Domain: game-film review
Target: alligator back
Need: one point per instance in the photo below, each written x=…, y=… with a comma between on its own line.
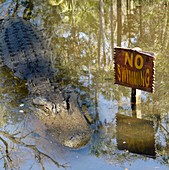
x=23, y=49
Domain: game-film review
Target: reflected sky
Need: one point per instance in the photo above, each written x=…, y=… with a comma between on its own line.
x=74, y=32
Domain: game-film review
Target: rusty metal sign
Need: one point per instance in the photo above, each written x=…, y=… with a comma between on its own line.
x=134, y=69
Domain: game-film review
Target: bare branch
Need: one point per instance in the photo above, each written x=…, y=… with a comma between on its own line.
x=38, y=154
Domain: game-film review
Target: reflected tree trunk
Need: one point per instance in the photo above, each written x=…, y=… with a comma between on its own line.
x=96, y=119
x=119, y=33
x=112, y=30
x=128, y=7
x=119, y=22
x=102, y=28
x=89, y=73
x=99, y=49
x=165, y=29
x=16, y=8
x=140, y=12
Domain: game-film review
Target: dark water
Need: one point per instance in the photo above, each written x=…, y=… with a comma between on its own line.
x=81, y=39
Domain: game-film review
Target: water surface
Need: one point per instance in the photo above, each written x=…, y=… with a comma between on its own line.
x=82, y=35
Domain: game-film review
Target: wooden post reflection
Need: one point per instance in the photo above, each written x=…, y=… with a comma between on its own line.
x=136, y=103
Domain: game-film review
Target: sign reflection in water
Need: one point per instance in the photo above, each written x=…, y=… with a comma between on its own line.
x=135, y=135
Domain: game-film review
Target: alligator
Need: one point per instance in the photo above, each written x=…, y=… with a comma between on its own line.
x=24, y=50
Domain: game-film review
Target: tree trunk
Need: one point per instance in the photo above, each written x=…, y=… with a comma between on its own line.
x=112, y=30
x=141, y=25
x=119, y=22
x=165, y=28
x=102, y=22
x=99, y=48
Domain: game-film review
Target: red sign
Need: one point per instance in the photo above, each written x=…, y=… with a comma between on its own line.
x=134, y=69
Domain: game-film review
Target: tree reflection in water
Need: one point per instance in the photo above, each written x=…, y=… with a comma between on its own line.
x=83, y=51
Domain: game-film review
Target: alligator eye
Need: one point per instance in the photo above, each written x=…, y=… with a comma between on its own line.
x=46, y=108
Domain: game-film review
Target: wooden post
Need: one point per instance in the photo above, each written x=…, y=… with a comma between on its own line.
x=133, y=101
x=135, y=96
x=136, y=102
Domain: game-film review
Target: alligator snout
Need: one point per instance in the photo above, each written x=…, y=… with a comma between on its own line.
x=77, y=140
x=69, y=129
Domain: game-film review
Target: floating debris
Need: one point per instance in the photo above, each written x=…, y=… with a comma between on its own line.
x=22, y=104
x=21, y=111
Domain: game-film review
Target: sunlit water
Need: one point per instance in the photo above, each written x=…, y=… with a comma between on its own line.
x=71, y=31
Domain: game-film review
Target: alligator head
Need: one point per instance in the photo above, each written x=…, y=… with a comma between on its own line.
x=64, y=119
